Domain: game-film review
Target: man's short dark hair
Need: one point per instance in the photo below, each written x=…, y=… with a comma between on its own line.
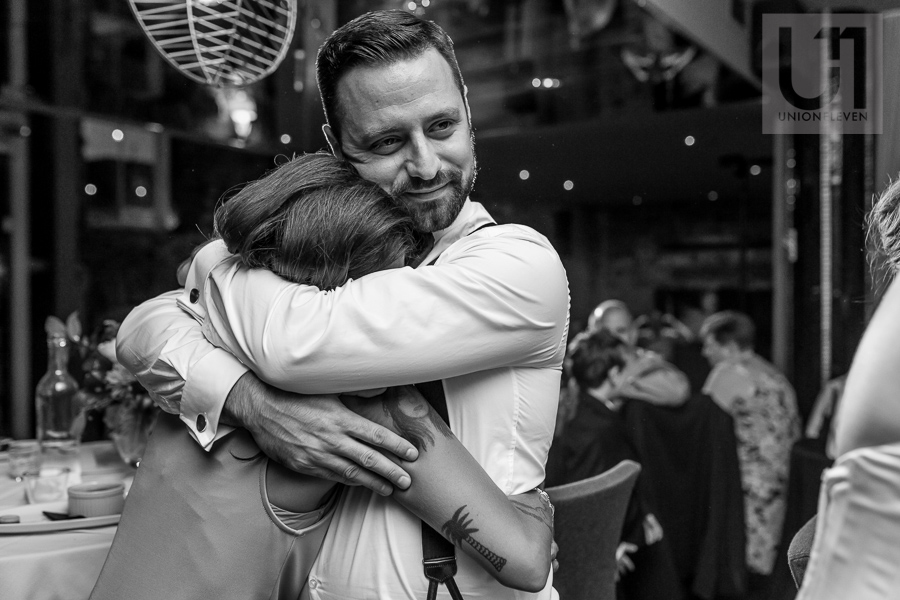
x=376, y=38
x=730, y=326
x=592, y=356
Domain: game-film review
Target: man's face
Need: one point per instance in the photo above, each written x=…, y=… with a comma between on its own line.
x=714, y=351
x=405, y=126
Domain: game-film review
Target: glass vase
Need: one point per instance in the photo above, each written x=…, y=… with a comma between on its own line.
x=130, y=422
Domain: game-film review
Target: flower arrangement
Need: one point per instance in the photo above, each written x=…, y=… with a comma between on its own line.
x=107, y=388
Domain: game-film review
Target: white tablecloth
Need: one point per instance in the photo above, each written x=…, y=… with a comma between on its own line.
x=53, y=566
x=60, y=565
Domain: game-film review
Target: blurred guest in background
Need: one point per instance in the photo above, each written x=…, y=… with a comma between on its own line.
x=661, y=333
x=595, y=441
x=764, y=408
x=647, y=375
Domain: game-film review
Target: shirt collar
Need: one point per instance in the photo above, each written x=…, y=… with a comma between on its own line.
x=472, y=216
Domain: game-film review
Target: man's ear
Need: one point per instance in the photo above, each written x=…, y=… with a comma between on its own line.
x=614, y=376
x=466, y=102
x=333, y=144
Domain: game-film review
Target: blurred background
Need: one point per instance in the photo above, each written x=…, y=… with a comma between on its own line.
x=629, y=132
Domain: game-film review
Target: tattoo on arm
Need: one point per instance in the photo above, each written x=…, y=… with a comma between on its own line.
x=458, y=530
x=542, y=513
x=414, y=418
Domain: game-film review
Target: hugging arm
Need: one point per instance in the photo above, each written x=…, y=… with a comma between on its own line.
x=509, y=537
x=163, y=346
x=509, y=305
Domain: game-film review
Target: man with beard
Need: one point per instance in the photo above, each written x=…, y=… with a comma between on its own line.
x=484, y=314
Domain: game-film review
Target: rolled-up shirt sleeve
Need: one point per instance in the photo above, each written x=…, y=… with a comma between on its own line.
x=495, y=298
x=163, y=346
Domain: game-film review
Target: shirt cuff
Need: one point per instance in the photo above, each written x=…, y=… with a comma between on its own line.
x=204, y=395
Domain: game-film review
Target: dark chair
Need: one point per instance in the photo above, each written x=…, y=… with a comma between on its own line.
x=799, y=550
x=588, y=527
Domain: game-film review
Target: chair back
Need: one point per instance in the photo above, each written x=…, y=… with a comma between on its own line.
x=588, y=526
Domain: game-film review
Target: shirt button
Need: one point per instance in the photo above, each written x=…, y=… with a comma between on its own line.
x=201, y=423
x=313, y=584
x=195, y=295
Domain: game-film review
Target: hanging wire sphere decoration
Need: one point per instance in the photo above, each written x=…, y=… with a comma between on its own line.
x=220, y=43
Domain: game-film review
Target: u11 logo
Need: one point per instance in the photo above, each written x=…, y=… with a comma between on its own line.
x=822, y=67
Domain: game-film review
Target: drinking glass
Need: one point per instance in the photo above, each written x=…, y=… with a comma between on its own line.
x=49, y=484
x=24, y=457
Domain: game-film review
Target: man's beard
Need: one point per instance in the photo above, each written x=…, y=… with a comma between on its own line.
x=437, y=214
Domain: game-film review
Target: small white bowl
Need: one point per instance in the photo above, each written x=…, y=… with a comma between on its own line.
x=96, y=499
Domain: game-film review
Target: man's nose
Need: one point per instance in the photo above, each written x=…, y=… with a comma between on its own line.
x=423, y=161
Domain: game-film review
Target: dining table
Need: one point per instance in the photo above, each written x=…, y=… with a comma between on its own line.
x=42, y=559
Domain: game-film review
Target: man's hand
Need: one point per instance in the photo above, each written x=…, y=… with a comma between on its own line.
x=653, y=531
x=624, y=564
x=318, y=436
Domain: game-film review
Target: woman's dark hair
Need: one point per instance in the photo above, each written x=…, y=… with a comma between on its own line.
x=730, y=326
x=593, y=355
x=313, y=220
x=376, y=38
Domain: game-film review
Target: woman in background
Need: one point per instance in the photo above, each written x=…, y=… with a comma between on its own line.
x=764, y=408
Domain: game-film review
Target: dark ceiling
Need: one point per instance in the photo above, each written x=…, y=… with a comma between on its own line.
x=611, y=162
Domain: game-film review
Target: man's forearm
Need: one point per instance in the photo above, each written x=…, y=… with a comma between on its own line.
x=245, y=398
x=164, y=347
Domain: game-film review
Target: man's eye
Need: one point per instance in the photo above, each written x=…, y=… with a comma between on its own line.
x=386, y=144
x=442, y=126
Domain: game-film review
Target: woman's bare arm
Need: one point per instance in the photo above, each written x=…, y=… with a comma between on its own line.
x=509, y=537
x=869, y=411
